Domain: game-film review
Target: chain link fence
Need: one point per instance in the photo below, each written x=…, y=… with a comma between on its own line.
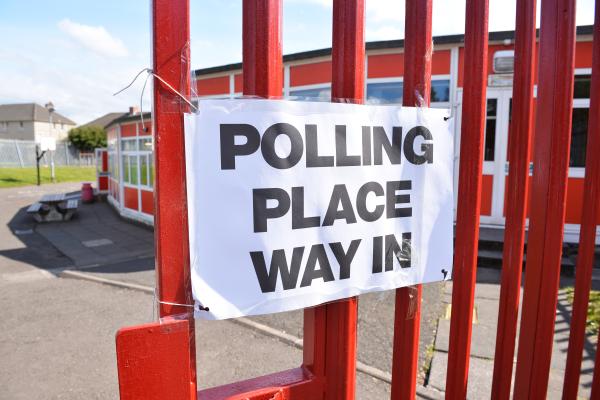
x=21, y=153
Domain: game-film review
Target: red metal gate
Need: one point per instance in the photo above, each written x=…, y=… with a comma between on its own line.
x=158, y=360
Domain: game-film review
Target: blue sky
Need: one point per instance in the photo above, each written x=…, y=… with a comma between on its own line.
x=77, y=53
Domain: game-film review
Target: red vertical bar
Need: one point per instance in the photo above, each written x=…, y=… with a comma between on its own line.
x=469, y=197
x=516, y=198
x=170, y=41
x=330, y=330
x=418, y=50
x=263, y=63
x=348, y=51
x=587, y=235
x=263, y=69
x=551, y=163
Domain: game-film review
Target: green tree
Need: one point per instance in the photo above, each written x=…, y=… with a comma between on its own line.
x=87, y=138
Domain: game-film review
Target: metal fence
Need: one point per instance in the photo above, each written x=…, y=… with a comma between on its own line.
x=21, y=153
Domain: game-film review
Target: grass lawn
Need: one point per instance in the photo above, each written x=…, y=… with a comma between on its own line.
x=593, y=315
x=11, y=177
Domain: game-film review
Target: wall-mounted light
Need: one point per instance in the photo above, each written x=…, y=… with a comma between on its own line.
x=504, y=62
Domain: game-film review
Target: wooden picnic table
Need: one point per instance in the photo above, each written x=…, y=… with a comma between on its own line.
x=53, y=199
x=53, y=207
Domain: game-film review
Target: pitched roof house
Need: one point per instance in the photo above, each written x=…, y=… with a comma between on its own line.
x=105, y=120
x=31, y=121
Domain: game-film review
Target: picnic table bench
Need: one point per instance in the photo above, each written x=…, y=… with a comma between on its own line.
x=53, y=207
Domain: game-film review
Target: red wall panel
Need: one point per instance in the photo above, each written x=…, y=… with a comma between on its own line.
x=392, y=65
x=213, y=86
x=130, y=198
x=147, y=125
x=487, y=187
x=385, y=65
x=128, y=130
x=310, y=74
x=148, y=202
x=583, y=55
x=440, y=63
x=238, y=83
x=104, y=161
x=103, y=183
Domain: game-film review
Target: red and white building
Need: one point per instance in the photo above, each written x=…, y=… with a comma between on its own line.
x=307, y=76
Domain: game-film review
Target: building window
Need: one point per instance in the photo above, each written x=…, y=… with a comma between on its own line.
x=151, y=169
x=581, y=86
x=579, y=123
x=125, y=169
x=130, y=169
x=138, y=168
x=579, y=128
x=129, y=144
x=3, y=126
x=315, y=94
x=440, y=90
x=384, y=93
x=133, y=170
x=21, y=125
x=144, y=170
x=391, y=92
x=145, y=144
x=490, y=130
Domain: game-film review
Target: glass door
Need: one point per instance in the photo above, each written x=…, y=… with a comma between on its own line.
x=494, y=153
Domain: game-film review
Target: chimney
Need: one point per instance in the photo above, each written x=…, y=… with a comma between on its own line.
x=134, y=110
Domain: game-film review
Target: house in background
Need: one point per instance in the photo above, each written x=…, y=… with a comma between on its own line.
x=107, y=119
x=31, y=121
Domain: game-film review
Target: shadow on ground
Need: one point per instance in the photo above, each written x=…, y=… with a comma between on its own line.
x=96, y=237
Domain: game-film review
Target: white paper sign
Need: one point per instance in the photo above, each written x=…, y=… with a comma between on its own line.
x=293, y=204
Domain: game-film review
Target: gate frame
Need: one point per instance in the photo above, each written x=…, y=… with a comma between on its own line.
x=167, y=348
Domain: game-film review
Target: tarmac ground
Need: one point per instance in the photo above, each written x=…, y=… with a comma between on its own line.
x=59, y=332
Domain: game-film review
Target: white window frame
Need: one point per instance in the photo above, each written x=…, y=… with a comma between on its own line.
x=579, y=172
x=129, y=153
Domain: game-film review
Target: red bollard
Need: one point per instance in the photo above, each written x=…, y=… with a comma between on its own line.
x=87, y=193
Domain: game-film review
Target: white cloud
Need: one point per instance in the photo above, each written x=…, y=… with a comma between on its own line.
x=386, y=32
x=94, y=38
x=385, y=10
x=78, y=88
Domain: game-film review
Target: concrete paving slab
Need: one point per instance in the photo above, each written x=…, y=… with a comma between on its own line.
x=480, y=378
x=483, y=339
x=65, y=342
x=139, y=271
x=98, y=224
x=375, y=322
x=484, y=332
x=22, y=251
x=480, y=375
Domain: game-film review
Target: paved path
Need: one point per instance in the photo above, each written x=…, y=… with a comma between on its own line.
x=57, y=341
x=484, y=341
x=70, y=322
x=101, y=245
